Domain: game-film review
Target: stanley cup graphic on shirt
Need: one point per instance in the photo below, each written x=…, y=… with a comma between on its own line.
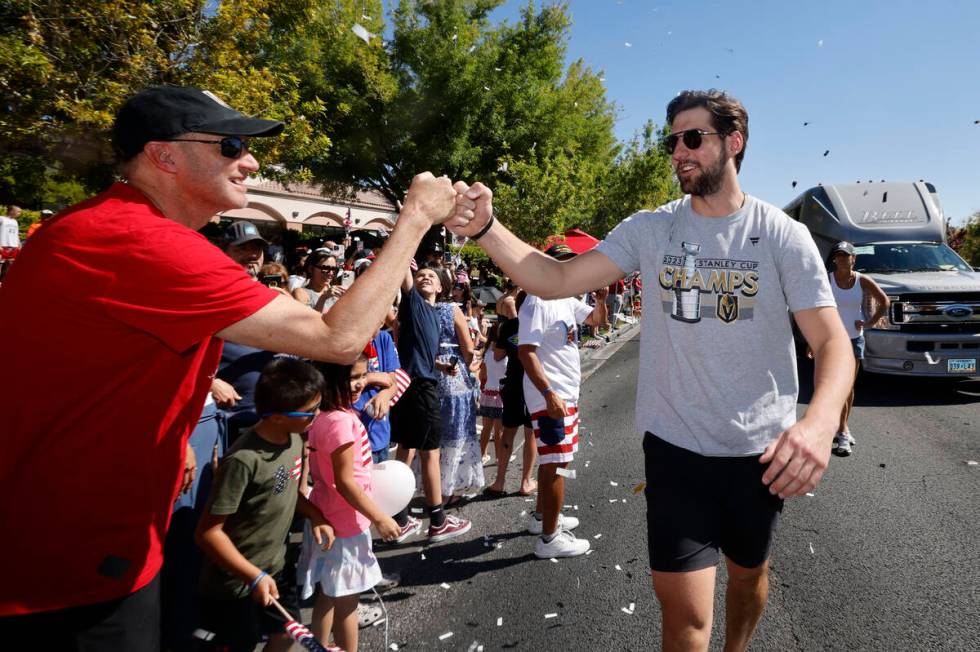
x=687, y=302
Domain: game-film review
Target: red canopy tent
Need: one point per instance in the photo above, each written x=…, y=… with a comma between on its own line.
x=578, y=240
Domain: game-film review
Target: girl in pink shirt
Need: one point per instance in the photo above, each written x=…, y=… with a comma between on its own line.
x=340, y=463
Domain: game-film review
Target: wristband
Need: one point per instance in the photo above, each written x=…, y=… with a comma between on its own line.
x=546, y=391
x=486, y=227
x=255, y=582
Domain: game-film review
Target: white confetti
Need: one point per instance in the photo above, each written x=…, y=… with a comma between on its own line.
x=423, y=556
x=500, y=622
x=626, y=611
x=554, y=561
x=547, y=616
x=575, y=507
x=628, y=44
x=589, y=552
x=811, y=549
x=567, y=507
x=472, y=48
x=444, y=585
x=513, y=457
x=614, y=484
x=565, y=473
x=393, y=646
x=486, y=88
x=362, y=33
x=820, y=43
x=445, y=636
x=618, y=567
x=379, y=622
x=811, y=495
x=632, y=606
x=523, y=512
x=972, y=462
x=614, y=500
x=598, y=536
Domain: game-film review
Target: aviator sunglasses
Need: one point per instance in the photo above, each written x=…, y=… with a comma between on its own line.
x=231, y=147
x=692, y=138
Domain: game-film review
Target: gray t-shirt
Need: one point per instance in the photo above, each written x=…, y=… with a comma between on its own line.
x=717, y=362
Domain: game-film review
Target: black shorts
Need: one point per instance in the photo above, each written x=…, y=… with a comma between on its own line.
x=416, y=420
x=697, y=505
x=238, y=625
x=129, y=624
x=515, y=412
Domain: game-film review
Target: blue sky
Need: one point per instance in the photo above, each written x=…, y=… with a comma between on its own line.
x=890, y=88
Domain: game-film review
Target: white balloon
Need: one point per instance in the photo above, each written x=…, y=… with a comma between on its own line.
x=393, y=485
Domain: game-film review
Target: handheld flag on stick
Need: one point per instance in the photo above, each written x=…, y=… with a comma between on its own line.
x=299, y=633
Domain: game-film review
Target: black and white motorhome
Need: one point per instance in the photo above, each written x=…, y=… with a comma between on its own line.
x=899, y=233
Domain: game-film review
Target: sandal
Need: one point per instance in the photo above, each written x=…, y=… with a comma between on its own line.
x=367, y=615
x=490, y=492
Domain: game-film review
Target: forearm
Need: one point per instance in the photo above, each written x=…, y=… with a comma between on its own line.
x=533, y=370
x=833, y=377
x=308, y=510
x=222, y=551
x=379, y=379
x=356, y=498
x=535, y=272
x=357, y=314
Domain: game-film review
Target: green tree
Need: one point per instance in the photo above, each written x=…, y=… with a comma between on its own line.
x=967, y=240
x=641, y=177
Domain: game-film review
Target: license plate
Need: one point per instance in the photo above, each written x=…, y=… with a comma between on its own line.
x=961, y=365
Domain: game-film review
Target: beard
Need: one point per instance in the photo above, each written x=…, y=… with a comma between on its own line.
x=709, y=181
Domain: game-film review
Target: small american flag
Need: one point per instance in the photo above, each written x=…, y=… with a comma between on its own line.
x=297, y=469
x=402, y=380
x=299, y=633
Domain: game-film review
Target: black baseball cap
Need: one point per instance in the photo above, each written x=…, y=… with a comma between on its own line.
x=163, y=112
x=560, y=251
x=238, y=233
x=842, y=246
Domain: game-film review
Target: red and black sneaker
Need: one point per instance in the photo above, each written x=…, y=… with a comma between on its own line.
x=450, y=529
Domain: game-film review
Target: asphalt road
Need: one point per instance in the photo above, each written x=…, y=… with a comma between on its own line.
x=884, y=556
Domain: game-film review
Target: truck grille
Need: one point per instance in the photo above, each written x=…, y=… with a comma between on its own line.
x=937, y=313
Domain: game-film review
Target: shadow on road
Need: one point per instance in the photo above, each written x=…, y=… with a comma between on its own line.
x=454, y=562
x=876, y=390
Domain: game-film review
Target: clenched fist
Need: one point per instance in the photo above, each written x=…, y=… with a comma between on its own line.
x=474, y=206
x=430, y=197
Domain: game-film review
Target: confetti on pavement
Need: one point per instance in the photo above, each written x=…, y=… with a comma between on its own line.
x=547, y=616
x=500, y=622
x=444, y=585
x=598, y=536
x=613, y=484
x=811, y=549
x=566, y=473
x=445, y=636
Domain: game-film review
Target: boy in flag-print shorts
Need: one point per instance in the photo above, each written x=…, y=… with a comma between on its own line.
x=549, y=351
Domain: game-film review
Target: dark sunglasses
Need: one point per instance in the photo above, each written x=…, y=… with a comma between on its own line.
x=295, y=415
x=326, y=269
x=692, y=138
x=231, y=147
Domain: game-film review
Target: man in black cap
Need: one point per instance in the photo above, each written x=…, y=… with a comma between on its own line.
x=245, y=245
x=136, y=344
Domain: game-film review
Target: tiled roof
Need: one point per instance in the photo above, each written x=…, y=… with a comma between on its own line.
x=366, y=198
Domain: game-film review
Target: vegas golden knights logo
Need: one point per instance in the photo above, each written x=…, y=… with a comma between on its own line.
x=727, y=307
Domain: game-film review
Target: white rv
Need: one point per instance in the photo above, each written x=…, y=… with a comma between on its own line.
x=899, y=234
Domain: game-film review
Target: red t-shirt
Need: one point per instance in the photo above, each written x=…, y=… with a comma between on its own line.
x=108, y=318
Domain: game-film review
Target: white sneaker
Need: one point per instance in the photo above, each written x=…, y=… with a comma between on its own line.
x=850, y=438
x=563, y=545
x=843, y=446
x=566, y=523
